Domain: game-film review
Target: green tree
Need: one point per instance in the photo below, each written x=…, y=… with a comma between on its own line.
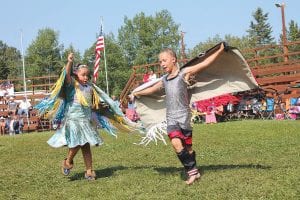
x=77, y=56
x=260, y=31
x=143, y=37
x=241, y=43
x=10, y=61
x=233, y=41
x=293, y=34
x=44, y=54
x=203, y=46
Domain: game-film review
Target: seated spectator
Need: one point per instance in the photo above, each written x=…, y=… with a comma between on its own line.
x=24, y=107
x=130, y=104
x=5, y=99
x=152, y=75
x=12, y=106
x=2, y=125
x=13, y=125
x=210, y=117
x=146, y=77
x=2, y=93
x=219, y=112
x=21, y=124
x=10, y=89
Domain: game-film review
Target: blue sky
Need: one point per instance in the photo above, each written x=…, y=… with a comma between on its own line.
x=77, y=21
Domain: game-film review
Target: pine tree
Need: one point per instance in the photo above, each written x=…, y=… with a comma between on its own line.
x=293, y=32
x=260, y=31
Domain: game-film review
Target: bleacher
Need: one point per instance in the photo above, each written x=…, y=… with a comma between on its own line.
x=31, y=123
x=36, y=89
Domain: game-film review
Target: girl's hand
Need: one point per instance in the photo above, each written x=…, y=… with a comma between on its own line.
x=69, y=67
x=135, y=94
x=222, y=47
x=70, y=57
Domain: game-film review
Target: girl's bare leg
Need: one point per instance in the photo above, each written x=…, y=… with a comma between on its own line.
x=87, y=157
x=71, y=154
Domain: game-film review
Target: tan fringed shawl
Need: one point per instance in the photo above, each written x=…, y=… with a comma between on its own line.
x=229, y=73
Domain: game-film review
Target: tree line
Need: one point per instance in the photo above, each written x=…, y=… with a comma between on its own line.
x=138, y=42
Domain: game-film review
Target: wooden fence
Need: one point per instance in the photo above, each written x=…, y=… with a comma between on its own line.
x=271, y=67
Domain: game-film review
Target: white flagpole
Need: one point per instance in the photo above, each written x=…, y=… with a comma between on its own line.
x=105, y=66
x=23, y=64
x=24, y=76
x=107, y=91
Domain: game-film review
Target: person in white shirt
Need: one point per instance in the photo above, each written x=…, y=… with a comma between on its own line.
x=24, y=107
x=10, y=89
x=2, y=92
x=152, y=75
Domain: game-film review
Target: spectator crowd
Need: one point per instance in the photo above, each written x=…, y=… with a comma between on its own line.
x=12, y=111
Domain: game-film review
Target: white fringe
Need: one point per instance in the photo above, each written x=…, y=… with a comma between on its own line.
x=154, y=134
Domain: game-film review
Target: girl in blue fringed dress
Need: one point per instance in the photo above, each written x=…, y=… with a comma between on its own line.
x=72, y=102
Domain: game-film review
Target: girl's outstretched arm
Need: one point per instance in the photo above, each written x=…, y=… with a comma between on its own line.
x=149, y=90
x=205, y=63
x=69, y=67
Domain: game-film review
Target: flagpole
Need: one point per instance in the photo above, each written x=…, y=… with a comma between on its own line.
x=24, y=76
x=105, y=66
x=107, y=91
x=23, y=65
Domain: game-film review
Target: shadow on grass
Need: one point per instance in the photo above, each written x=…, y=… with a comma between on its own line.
x=223, y=167
x=202, y=169
x=171, y=171
x=107, y=172
x=102, y=173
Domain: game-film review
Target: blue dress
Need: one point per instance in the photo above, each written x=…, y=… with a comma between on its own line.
x=76, y=128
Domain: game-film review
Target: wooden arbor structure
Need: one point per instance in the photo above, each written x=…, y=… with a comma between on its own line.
x=273, y=66
x=276, y=66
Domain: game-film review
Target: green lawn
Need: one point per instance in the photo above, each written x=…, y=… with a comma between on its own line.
x=238, y=160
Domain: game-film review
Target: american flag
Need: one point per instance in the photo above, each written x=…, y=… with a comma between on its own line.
x=99, y=48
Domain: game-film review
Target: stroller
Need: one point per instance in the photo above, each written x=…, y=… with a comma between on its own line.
x=132, y=114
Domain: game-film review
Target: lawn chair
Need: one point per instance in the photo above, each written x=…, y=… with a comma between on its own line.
x=269, y=112
x=294, y=108
x=132, y=115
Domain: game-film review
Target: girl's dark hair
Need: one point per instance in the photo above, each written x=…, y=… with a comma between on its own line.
x=77, y=67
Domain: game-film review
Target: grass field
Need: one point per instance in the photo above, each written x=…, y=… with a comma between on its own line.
x=238, y=160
